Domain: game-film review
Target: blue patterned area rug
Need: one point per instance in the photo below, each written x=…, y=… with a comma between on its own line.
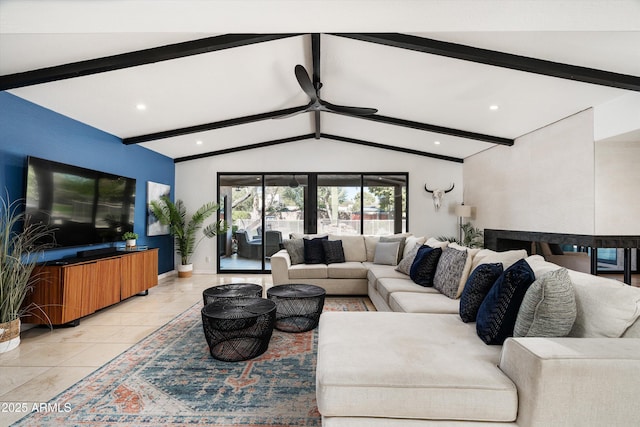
x=169, y=378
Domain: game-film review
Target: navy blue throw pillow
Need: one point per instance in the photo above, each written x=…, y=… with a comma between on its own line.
x=476, y=289
x=499, y=310
x=314, y=251
x=424, y=265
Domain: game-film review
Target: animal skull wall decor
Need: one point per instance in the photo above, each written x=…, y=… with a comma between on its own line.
x=437, y=195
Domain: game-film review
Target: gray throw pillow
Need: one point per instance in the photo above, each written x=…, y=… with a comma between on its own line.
x=400, y=239
x=387, y=253
x=548, y=308
x=295, y=248
x=404, y=266
x=449, y=271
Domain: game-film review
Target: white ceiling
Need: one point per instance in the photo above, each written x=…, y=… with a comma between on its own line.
x=259, y=78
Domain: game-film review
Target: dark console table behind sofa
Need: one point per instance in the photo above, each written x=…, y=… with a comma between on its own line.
x=500, y=240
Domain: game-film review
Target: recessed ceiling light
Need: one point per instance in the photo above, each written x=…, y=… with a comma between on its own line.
x=436, y=142
x=493, y=107
x=199, y=142
x=141, y=107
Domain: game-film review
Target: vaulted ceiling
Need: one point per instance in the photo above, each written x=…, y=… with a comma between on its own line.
x=189, y=94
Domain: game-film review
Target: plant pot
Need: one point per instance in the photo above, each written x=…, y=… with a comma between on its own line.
x=9, y=335
x=185, y=270
x=130, y=243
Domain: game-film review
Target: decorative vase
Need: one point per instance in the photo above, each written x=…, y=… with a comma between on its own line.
x=130, y=243
x=185, y=270
x=9, y=335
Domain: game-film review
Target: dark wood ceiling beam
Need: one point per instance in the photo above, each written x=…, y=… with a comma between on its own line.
x=315, y=55
x=211, y=126
x=244, y=148
x=500, y=59
x=392, y=148
x=132, y=59
x=432, y=128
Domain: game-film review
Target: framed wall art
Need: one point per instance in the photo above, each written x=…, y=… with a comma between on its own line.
x=154, y=192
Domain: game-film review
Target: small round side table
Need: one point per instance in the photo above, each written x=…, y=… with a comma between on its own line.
x=238, y=330
x=298, y=306
x=231, y=291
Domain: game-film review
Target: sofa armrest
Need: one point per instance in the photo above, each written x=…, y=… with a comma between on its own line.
x=280, y=264
x=574, y=381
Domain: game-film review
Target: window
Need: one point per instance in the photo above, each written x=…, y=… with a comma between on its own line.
x=264, y=209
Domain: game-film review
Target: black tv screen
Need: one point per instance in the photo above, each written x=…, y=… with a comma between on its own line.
x=83, y=206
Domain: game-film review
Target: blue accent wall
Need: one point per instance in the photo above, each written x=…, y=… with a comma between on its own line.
x=27, y=129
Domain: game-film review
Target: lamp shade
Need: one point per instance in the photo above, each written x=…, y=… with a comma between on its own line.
x=463, y=211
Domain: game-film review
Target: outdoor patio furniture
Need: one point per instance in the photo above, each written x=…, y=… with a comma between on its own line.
x=248, y=248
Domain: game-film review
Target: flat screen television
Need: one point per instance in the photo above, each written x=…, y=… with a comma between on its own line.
x=83, y=206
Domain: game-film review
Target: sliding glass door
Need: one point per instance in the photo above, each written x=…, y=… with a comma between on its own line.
x=263, y=210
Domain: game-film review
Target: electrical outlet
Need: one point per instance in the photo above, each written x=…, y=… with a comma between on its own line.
x=207, y=259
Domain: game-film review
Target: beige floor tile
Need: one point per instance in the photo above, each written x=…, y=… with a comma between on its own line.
x=96, y=355
x=47, y=384
x=48, y=361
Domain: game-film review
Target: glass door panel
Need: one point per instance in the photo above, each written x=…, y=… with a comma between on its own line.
x=338, y=204
x=384, y=210
x=284, y=211
x=243, y=211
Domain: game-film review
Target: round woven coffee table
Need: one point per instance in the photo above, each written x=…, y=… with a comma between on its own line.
x=298, y=306
x=238, y=329
x=231, y=291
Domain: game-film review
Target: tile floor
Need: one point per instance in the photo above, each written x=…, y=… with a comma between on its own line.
x=47, y=362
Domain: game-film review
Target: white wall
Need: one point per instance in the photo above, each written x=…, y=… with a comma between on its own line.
x=545, y=182
x=196, y=180
x=616, y=189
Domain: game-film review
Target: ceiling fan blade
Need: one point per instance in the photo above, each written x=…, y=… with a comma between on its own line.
x=305, y=82
x=359, y=111
x=300, y=110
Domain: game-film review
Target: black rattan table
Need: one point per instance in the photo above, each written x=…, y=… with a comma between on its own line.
x=238, y=329
x=231, y=291
x=298, y=306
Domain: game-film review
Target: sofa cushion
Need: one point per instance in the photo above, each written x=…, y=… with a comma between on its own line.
x=449, y=271
x=507, y=258
x=333, y=252
x=424, y=265
x=388, y=285
x=376, y=272
x=387, y=253
x=548, y=308
x=423, y=302
x=605, y=307
x=478, y=286
x=353, y=246
x=497, y=314
x=347, y=270
x=295, y=249
x=404, y=266
x=370, y=243
x=313, y=250
x=308, y=271
x=377, y=365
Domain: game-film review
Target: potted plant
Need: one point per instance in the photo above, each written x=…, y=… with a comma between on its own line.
x=19, y=252
x=184, y=230
x=130, y=238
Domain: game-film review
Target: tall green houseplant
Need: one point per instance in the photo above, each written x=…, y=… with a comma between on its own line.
x=184, y=230
x=19, y=252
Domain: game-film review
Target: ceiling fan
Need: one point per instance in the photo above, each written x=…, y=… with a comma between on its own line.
x=318, y=104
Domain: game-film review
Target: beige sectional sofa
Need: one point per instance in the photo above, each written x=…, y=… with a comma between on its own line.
x=416, y=363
